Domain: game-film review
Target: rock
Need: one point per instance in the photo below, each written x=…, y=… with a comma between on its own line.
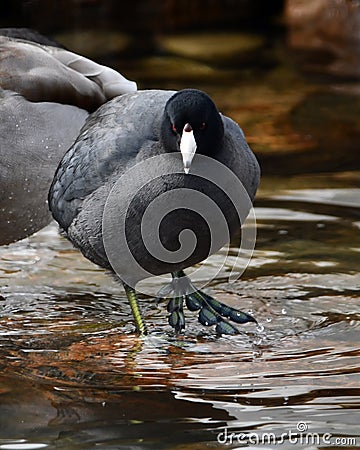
x=329, y=31
x=213, y=47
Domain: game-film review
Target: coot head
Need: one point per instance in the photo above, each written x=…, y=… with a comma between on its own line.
x=191, y=123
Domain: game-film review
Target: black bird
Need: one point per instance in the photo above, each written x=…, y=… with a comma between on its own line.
x=46, y=93
x=118, y=143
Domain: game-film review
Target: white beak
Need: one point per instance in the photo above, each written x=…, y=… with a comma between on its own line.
x=187, y=147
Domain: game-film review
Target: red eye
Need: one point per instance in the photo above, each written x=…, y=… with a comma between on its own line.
x=202, y=126
x=174, y=128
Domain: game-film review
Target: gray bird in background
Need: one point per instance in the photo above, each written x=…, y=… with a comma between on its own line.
x=46, y=94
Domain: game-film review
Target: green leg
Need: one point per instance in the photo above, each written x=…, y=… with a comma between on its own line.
x=139, y=321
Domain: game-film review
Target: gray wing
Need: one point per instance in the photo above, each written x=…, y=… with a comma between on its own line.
x=46, y=73
x=33, y=139
x=238, y=156
x=113, y=138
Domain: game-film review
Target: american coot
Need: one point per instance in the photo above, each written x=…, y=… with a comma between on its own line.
x=46, y=93
x=111, y=168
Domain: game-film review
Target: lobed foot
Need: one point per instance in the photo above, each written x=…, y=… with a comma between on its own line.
x=211, y=311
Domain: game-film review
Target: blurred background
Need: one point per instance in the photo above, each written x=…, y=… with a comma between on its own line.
x=290, y=45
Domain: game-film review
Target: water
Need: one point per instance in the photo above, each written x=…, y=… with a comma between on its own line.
x=75, y=376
